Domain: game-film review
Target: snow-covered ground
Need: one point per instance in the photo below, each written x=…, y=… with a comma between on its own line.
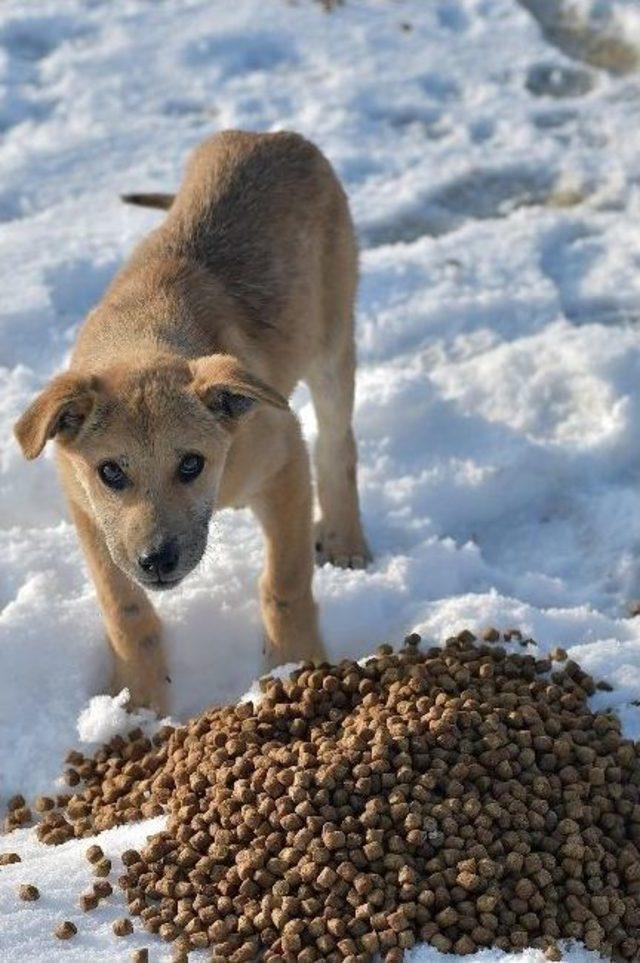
x=491, y=151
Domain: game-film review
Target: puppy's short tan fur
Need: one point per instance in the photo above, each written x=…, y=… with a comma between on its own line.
x=246, y=288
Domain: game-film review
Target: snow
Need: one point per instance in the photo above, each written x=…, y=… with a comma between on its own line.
x=106, y=716
x=493, y=166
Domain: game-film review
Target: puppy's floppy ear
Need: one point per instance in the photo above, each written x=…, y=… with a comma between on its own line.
x=228, y=389
x=61, y=409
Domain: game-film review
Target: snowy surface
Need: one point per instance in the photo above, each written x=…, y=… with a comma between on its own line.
x=493, y=165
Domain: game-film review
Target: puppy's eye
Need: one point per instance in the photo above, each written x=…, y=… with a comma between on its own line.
x=112, y=475
x=190, y=467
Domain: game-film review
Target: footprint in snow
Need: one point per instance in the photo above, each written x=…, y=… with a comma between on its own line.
x=554, y=80
x=569, y=252
x=479, y=195
x=595, y=41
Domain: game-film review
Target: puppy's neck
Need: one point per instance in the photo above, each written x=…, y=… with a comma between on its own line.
x=161, y=305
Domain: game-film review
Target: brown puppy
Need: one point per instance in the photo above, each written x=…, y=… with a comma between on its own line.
x=175, y=402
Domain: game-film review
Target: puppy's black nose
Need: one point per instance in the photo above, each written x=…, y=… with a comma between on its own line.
x=160, y=563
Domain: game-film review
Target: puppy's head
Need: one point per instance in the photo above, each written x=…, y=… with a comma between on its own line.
x=148, y=446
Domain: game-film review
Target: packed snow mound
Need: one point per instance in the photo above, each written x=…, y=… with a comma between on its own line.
x=107, y=716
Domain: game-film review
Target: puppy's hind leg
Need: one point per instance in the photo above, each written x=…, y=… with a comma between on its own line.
x=133, y=628
x=339, y=536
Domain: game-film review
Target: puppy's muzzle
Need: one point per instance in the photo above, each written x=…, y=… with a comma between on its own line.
x=160, y=565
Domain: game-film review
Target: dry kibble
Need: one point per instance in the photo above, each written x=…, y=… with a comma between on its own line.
x=28, y=892
x=102, y=867
x=102, y=888
x=18, y=815
x=464, y=946
x=491, y=635
x=94, y=854
x=66, y=930
x=123, y=927
x=604, y=686
x=140, y=956
x=463, y=796
x=88, y=901
x=7, y=858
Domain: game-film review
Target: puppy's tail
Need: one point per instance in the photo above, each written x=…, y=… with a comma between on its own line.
x=161, y=201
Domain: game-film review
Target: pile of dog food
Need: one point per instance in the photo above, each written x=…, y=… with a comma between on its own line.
x=460, y=796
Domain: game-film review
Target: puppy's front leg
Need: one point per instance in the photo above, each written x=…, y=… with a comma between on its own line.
x=133, y=628
x=284, y=508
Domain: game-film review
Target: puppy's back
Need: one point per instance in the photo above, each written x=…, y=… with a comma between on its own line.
x=257, y=210
x=257, y=241
x=238, y=175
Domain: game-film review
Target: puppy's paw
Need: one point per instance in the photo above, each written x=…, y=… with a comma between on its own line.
x=146, y=678
x=344, y=550
x=306, y=649
x=142, y=694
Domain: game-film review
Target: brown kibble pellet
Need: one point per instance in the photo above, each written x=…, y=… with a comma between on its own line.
x=18, y=816
x=123, y=927
x=88, y=901
x=491, y=635
x=326, y=877
x=102, y=867
x=447, y=917
x=102, y=888
x=28, y=892
x=7, y=858
x=140, y=956
x=94, y=854
x=66, y=930
x=464, y=946
x=441, y=942
x=558, y=654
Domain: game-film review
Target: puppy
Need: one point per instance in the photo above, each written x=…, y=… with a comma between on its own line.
x=175, y=401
